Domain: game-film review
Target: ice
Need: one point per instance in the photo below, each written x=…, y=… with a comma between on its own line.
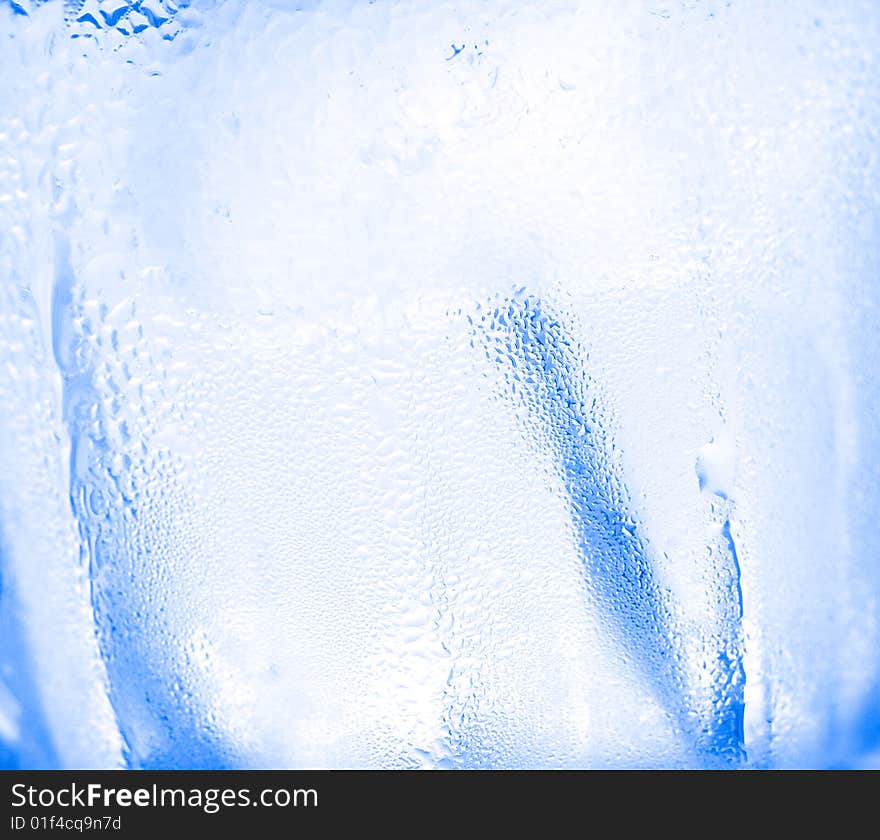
x=402, y=384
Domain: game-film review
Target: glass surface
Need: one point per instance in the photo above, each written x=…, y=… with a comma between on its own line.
x=432, y=384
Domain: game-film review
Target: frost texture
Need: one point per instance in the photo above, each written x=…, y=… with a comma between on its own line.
x=485, y=384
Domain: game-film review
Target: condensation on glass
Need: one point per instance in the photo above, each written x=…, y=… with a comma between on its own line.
x=475, y=384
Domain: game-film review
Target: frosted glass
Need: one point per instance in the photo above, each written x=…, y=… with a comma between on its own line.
x=431, y=384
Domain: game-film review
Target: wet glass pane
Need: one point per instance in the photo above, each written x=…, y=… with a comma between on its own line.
x=432, y=384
